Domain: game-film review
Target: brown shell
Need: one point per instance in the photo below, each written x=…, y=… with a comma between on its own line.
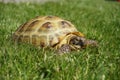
x=44, y=31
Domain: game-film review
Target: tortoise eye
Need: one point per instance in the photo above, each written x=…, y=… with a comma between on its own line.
x=65, y=24
x=74, y=41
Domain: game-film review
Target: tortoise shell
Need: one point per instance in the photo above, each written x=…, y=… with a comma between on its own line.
x=46, y=31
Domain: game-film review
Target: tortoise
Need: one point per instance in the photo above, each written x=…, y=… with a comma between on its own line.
x=52, y=32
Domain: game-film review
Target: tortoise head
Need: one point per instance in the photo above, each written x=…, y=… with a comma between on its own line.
x=74, y=41
x=78, y=42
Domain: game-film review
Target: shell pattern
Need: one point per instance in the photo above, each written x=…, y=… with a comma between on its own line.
x=46, y=31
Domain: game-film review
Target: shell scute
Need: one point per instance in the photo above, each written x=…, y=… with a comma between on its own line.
x=34, y=40
x=26, y=39
x=32, y=26
x=65, y=24
x=53, y=40
x=22, y=28
x=45, y=27
x=43, y=41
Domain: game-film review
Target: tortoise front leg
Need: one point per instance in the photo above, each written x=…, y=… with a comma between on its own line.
x=65, y=48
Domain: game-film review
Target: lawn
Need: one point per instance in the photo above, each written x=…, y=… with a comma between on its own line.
x=97, y=19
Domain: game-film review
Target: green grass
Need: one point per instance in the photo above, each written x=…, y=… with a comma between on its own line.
x=97, y=19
